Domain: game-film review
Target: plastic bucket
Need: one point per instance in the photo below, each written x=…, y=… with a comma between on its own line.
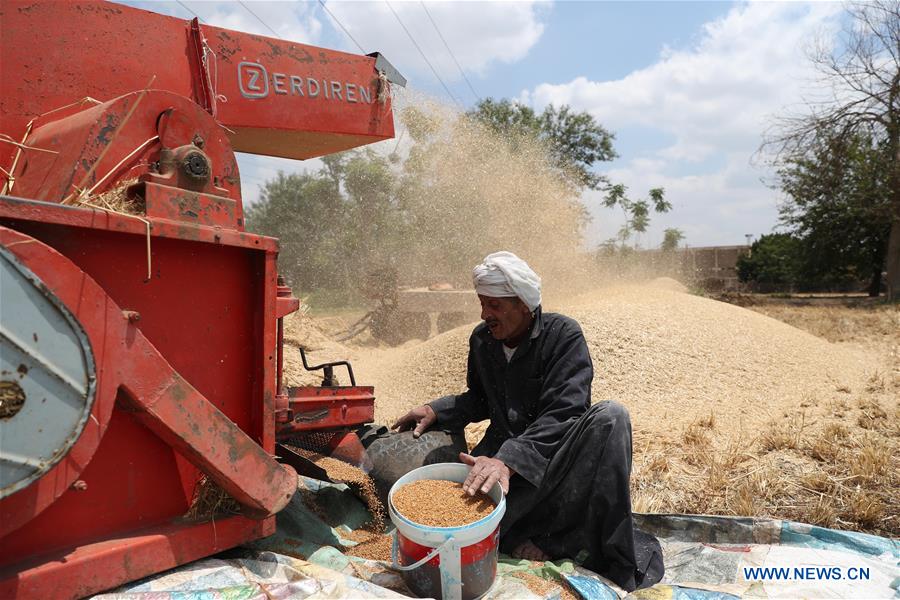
x=452, y=563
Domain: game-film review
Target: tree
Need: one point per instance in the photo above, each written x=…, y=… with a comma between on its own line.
x=460, y=191
x=773, y=259
x=637, y=212
x=298, y=209
x=374, y=222
x=838, y=206
x=575, y=140
x=671, y=238
x=862, y=71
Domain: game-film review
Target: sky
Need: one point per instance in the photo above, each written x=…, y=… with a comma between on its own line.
x=688, y=88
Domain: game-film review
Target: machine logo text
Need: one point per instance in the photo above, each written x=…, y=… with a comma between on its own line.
x=255, y=82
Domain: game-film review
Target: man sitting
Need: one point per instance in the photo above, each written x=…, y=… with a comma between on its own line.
x=564, y=464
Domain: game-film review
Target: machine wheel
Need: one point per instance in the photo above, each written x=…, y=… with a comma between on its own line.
x=47, y=377
x=394, y=455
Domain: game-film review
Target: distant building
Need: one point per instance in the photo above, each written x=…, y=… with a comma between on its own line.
x=714, y=268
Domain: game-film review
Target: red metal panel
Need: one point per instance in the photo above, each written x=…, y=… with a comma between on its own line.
x=105, y=50
x=81, y=571
x=411, y=552
x=21, y=210
x=314, y=408
x=175, y=204
x=202, y=309
x=263, y=408
x=120, y=485
x=172, y=409
x=88, y=307
x=210, y=309
x=157, y=397
x=209, y=305
x=120, y=139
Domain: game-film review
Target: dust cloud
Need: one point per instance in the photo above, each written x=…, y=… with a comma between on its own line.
x=472, y=191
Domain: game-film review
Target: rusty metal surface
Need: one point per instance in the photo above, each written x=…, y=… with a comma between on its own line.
x=83, y=570
x=170, y=407
x=162, y=400
x=176, y=204
x=127, y=474
x=24, y=210
x=87, y=306
x=186, y=354
x=312, y=408
x=153, y=135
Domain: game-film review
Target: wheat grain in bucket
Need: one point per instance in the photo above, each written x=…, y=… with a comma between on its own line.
x=563, y=464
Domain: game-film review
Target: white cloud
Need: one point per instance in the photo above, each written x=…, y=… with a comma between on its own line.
x=715, y=99
x=294, y=21
x=747, y=65
x=480, y=34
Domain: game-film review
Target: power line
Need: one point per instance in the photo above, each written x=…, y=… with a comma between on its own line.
x=447, y=46
x=425, y=58
x=185, y=7
x=266, y=25
x=341, y=25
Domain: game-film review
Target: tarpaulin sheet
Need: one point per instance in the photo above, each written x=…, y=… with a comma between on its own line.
x=706, y=558
x=264, y=576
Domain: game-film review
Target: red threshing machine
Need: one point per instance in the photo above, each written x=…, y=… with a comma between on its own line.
x=140, y=344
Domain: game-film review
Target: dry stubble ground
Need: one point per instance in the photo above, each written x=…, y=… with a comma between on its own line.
x=794, y=416
x=845, y=462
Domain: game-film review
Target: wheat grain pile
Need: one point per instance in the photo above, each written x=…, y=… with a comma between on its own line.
x=437, y=503
x=301, y=331
x=733, y=412
x=545, y=588
x=670, y=357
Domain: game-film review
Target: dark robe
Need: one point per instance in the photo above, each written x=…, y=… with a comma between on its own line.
x=570, y=495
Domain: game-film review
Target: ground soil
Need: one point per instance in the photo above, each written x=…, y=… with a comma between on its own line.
x=773, y=409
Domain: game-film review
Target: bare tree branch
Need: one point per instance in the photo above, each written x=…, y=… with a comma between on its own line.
x=860, y=75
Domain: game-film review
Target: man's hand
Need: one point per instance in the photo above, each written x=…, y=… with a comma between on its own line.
x=418, y=419
x=485, y=473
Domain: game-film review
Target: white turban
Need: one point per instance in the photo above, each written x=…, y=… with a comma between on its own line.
x=505, y=275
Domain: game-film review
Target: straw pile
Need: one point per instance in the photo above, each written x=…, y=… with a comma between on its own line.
x=731, y=410
x=301, y=331
x=117, y=199
x=210, y=501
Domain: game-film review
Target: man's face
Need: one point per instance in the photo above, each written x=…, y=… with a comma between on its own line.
x=507, y=318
